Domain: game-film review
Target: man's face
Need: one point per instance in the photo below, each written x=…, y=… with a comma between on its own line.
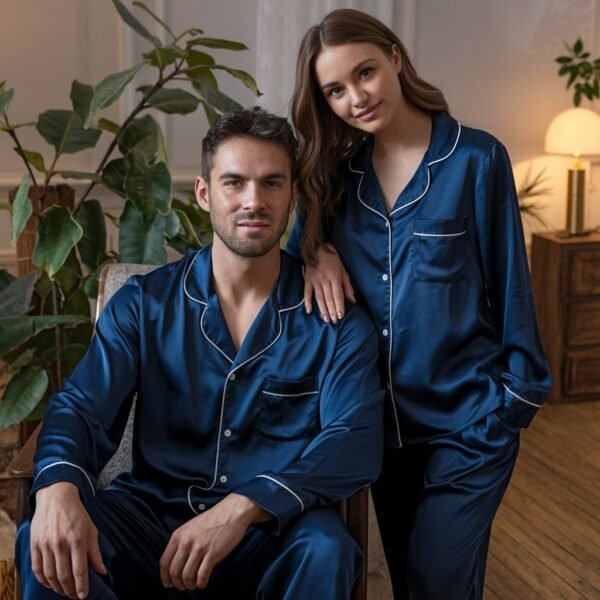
x=250, y=195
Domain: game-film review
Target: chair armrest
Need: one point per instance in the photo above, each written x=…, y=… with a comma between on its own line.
x=21, y=469
x=21, y=466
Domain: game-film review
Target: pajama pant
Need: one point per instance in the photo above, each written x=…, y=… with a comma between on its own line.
x=314, y=557
x=435, y=503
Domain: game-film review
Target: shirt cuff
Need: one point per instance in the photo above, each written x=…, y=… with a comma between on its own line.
x=275, y=496
x=520, y=402
x=63, y=471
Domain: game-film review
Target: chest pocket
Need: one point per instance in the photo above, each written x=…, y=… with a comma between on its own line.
x=438, y=249
x=288, y=409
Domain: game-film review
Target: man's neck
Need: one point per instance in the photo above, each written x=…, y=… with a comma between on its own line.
x=238, y=279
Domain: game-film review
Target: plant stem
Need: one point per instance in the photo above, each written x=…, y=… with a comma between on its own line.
x=13, y=135
x=57, y=336
x=140, y=106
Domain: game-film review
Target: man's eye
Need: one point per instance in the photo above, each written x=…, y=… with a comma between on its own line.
x=232, y=183
x=273, y=184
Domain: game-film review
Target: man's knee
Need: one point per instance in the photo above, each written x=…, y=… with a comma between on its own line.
x=321, y=536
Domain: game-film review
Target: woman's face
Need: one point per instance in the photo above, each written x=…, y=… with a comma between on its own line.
x=360, y=84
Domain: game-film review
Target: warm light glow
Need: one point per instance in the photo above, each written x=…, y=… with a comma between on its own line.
x=575, y=132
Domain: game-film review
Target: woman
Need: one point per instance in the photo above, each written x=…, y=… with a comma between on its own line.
x=423, y=214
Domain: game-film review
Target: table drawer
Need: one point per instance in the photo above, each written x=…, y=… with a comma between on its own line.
x=585, y=273
x=583, y=323
x=581, y=375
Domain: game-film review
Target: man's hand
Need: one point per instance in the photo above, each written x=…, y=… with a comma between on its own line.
x=328, y=280
x=196, y=547
x=63, y=540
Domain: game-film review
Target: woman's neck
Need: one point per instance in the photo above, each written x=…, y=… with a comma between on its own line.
x=409, y=129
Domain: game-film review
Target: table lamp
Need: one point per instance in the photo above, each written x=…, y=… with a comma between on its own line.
x=574, y=132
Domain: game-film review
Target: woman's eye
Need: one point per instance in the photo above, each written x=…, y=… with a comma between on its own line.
x=335, y=92
x=366, y=73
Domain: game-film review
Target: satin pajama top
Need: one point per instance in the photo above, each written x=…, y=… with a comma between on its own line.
x=292, y=420
x=444, y=275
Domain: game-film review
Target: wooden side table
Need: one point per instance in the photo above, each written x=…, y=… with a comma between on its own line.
x=566, y=285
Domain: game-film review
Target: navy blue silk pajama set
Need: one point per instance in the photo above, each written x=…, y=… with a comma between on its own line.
x=293, y=420
x=444, y=275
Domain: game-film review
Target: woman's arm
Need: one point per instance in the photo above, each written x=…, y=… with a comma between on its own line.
x=328, y=279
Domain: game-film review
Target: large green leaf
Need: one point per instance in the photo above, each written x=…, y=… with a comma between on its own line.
x=141, y=136
x=5, y=97
x=81, y=98
x=149, y=188
x=163, y=57
x=77, y=304
x=64, y=130
x=139, y=241
x=109, y=90
x=217, y=43
x=23, y=393
x=244, y=77
x=58, y=234
x=92, y=244
x=113, y=176
x=213, y=96
x=135, y=24
x=33, y=158
x=68, y=277
x=187, y=232
x=15, y=298
x=172, y=224
x=16, y=330
x=168, y=101
x=22, y=360
x=198, y=67
x=6, y=279
x=21, y=210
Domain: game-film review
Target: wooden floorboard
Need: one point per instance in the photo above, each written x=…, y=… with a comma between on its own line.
x=546, y=538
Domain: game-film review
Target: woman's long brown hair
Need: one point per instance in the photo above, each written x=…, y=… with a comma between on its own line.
x=325, y=140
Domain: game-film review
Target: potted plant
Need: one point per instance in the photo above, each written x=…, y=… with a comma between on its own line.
x=45, y=316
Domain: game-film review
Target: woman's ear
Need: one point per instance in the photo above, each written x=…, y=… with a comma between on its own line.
x=397, y=58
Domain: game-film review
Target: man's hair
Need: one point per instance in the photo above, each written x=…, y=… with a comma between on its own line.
x=254, y=123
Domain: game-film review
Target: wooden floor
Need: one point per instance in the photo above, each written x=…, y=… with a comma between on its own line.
x=546, y=537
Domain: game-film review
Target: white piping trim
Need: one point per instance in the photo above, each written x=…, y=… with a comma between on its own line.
x=451, y=151
x=289, y=395
x=519, y=397
x=285, y=487
x=439, y=234
x=204, y=333
x=185, y=281
x=66, y=462
x=391, y=284
x=223, y=398
x=419, y=197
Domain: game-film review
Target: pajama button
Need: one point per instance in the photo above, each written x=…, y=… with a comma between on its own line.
x=227, y=433
x=201, y=506
x=232, y=377
x=385, y=332
x=223, y=479
x=385, y=277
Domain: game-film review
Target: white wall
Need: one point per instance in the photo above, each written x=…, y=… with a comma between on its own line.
x=494, y=61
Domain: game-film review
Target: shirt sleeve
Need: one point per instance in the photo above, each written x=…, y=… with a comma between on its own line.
x=346, y=454
x=525, y=377
x=84, y=422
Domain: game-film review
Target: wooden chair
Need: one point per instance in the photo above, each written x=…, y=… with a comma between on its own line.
x=354, y=510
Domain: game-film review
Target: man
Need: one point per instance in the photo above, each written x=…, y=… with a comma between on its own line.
x=251, y=416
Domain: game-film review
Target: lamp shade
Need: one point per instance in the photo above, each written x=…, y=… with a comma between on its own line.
x=575, y=132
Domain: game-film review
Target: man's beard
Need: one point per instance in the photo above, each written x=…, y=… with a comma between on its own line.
x=249, y=247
